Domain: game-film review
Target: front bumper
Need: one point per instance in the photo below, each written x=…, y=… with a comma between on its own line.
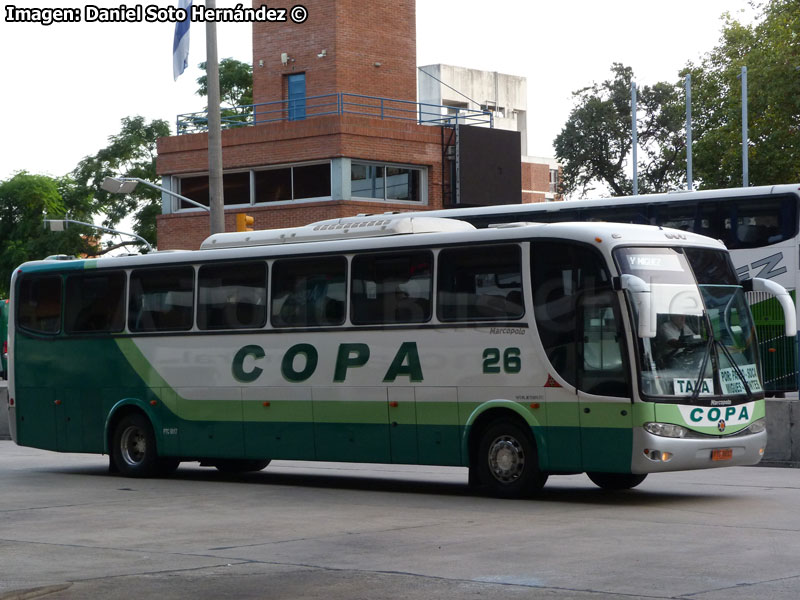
x=693, y=453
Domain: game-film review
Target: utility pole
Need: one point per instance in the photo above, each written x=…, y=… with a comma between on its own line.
x=215, y=193
x=635, y=139
x=745, y=166
x=689, y=131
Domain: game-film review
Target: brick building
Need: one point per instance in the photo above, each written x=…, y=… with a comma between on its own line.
x=335, y=131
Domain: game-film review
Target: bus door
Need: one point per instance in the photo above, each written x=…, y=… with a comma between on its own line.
x=603, y=382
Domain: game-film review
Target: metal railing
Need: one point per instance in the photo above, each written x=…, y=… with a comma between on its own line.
x=298, y=109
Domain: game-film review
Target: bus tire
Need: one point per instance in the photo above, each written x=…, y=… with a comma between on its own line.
x=134, y=447
x=233, y=466
x=507, y=464
x=616, y=481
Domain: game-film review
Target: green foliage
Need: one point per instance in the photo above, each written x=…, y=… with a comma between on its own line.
x=25, y=201
x=770, y=49
x=235, y=82
x=130, y=153
x=594, y=146
x=235, y=90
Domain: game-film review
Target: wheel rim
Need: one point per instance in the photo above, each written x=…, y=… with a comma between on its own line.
x=133, y=446
x=506, y=459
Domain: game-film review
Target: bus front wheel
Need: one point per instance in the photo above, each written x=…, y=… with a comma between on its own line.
x=134, y=447
x=507, y=463
x=616, y=481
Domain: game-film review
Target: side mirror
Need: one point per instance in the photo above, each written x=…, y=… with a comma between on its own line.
x=781, y=295
x=640, y=295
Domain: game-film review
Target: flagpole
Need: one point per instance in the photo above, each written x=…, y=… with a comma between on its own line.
x=216, y=202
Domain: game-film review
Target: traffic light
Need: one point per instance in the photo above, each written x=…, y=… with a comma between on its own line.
x=244, y=222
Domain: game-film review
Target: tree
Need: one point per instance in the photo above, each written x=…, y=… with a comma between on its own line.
x=130, y=153
x=235, y=90
x=235, y=82
x=596, y=142
x=770, y=51
x=25, y=201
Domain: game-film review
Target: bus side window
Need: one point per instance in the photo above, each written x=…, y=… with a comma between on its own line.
x=480, y=283
x=39, y=305
x=392, y=288
x=161, y=299
x=232, y=296
x=308, y=292
x=95, y=303
x=760, y=222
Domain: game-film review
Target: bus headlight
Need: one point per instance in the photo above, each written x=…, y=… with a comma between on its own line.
x=666, y=430
x=757, y=426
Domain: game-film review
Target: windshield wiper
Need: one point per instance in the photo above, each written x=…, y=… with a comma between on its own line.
x=736, y=368
x=699, y=382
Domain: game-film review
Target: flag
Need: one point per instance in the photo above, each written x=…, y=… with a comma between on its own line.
x=180, y=45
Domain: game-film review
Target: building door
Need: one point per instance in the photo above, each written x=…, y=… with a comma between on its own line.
x=297, y=96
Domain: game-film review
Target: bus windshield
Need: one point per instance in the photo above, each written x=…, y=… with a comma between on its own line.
x=704, y=347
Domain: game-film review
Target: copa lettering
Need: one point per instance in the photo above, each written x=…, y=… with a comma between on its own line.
x=715, y=414
x=300, y=362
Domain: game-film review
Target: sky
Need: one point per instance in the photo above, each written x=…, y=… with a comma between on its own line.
x=65, y=87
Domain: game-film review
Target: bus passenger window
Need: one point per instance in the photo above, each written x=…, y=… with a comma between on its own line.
x=760, y=222
x=95, y=303
x=392, y=288
x=232, y=296
x=480, y=283
x=161, y=299
x=308, y=292
x=39, y=305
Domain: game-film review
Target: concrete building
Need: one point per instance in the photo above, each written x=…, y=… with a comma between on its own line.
x=336, y=131
x=458, y=88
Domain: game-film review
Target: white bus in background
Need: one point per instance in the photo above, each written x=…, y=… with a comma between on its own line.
x=759, y=225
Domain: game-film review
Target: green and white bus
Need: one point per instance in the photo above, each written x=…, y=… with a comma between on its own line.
x=759, y=225
x=518, y=351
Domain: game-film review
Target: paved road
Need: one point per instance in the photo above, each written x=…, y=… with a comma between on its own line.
x=328, y=531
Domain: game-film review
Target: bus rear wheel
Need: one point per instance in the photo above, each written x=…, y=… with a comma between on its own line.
x=134, y=447
x=507, y=463
x=616, y=481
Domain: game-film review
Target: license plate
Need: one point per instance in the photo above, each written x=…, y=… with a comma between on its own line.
x=722, y=454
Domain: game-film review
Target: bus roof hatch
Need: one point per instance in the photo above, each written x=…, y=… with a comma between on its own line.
x=336, y=229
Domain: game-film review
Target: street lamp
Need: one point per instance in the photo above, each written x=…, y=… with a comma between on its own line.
x=61, y=224
x=125, y=185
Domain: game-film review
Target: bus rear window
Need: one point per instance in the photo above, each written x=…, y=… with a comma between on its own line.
x=39, y=305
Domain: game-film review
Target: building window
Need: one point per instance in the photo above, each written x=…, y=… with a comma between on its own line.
x=385, y=182
x=235, y=189
x=554, y=181
x=311, y=181
x=278, y=184
x=296, y=86
x=273, y=185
